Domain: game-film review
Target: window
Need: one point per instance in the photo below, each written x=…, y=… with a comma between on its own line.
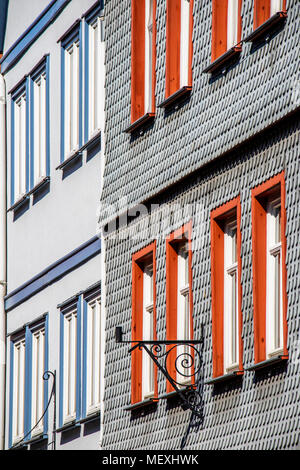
x=20, y=163
x=144, y=383
x=28, y=390
x=179, y=45
x=70, y=348
x=143, y=56
x=70, y=362
x=269, y=271
x=80, y=357
x=72, y=97
x=38, y=384
x=30, y=132
x=19, y=389
x=39, y=103
x=92, y=353
x=264, y=9
x=226, y=289
x=94, y=71
x=226, y=26
x=82, y=84
x=71, y=116
x=179, y=302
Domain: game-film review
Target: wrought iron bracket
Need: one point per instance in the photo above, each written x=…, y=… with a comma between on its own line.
x=182, y=356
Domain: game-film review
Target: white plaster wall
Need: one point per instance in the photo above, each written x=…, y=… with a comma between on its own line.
x=47, y=301
x=66, y=217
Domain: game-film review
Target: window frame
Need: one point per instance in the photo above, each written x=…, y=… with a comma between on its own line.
x=26, y=336
x=138, y=61
x=70, y=39
x=22, y=90
x=137, y=355
x=178, y=236
x=89, y=19
x=93, y=295
x=42, y=69
x=220, y=21
x=259, y=196
x=260, y=15
x=173, y=78
x=218, y=220
x=73, y=306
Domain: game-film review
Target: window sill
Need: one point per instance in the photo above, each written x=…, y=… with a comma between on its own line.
x=141, y=404
x=90, y=417
x=179, y=95
x=39, y=185
x=70, y=159
x=175, y=393
x=224, y=378
x=77, y=154
x=26, y=196
x=68, y=426
x=267, y=363
x=18, y=203
x=267, y=26
x=38, y=438
x=91, y=141
x=140, y=123
x=224, y=60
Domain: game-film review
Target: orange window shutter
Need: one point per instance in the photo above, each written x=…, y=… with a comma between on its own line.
x=173, y=47
x=217, y=284
x=259, y=246
x=284, y=271
x=137, y=59
x=239, y=245
x=219, y=28
x=137, y=332
x=191, y=43
x=154, y=56
x=171, y=307
x=261, y=12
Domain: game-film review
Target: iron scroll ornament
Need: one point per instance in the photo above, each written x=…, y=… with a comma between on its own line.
x=187, y=364
x=46, y=376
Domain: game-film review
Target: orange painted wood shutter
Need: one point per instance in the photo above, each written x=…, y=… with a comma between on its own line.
x=138, y=31
x=259, y=257
x=137, y=319
x=172, y=293
x=218, y=217
x=219, y=27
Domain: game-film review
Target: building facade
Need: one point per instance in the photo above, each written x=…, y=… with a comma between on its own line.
x=200, y=212
x=53, y=68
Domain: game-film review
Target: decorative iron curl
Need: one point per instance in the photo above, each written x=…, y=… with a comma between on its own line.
x=46, y=376
x=184, y=363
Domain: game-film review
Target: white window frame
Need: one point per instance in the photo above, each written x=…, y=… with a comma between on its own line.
x=231, y=298
x=40, y=127
x=20, y=145
x=93, y=362
x=148, y=330
x=275, y=6
x=72, y=77
x=149, y=19
x=19, y=351
x=183, y=310
x=274, y=295
x=232, y=23
x=70, y=366
x=38, y=384
x=94, y=76
x=184, y=42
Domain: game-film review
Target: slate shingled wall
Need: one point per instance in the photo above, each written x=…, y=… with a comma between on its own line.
x=261, y=411
x=253, y=95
